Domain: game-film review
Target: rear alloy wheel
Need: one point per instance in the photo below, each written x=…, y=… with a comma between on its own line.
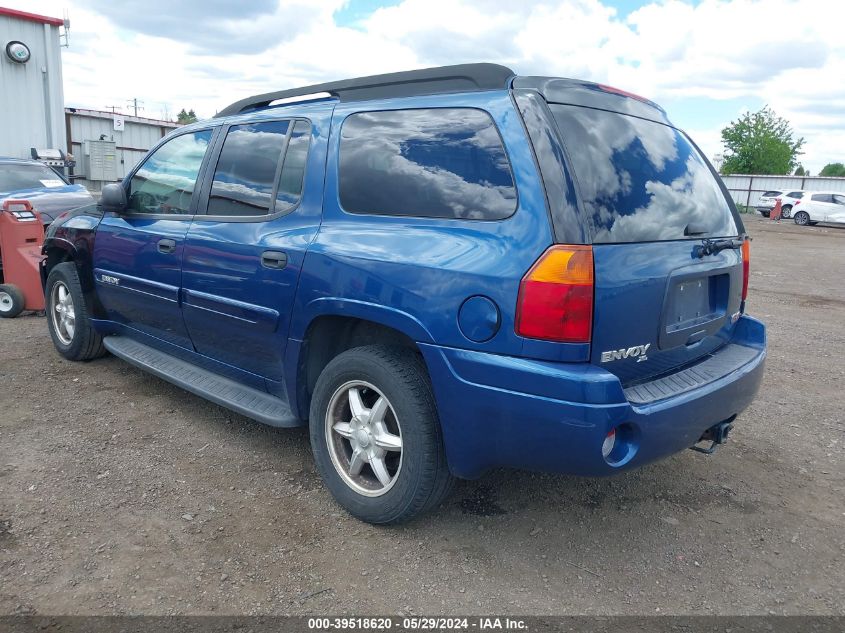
x=376, y=436
x=802, y=218
x=786, y=211
x=12, y=301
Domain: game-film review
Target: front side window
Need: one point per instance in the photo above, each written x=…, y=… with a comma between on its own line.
x=641, y=181
x=436, y=163
x=165, y=182
x=245, y=176
x=839, y=199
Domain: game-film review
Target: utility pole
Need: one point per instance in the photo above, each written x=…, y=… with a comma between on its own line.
x=134, y=104
x=113, y=109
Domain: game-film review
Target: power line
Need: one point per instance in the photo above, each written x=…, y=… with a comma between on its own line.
x=134, y=104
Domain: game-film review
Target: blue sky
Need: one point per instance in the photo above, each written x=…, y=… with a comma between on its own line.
x=705, y=61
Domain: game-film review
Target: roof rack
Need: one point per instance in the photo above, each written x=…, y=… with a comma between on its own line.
x=458, y=78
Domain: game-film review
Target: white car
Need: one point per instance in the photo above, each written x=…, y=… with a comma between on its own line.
x=787, y=200
x=820, y=206
x=767, y=201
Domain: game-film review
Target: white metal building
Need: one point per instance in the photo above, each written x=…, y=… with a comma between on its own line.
x=106, y=146
x=746, y=190
x=31, y=97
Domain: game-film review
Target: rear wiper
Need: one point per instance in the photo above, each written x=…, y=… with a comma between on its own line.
x=711, y=247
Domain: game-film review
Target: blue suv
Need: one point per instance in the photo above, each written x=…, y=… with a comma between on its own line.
x=440, y=271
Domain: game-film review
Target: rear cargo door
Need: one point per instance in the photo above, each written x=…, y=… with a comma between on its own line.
x=662, y=301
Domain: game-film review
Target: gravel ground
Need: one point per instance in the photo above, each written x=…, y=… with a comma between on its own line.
x=121, y=494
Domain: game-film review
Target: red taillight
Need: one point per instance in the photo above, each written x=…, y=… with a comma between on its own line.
x=746, y=264
x=797, y=202
x=555, y=300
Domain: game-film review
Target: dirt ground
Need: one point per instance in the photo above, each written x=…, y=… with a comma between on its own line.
x=121, y=494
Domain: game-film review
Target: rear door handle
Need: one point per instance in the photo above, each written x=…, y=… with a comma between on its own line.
x=166, y=246
x=274, y=259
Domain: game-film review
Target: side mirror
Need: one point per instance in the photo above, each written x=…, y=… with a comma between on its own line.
x=113, y=198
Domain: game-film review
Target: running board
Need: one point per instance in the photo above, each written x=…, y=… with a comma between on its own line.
x=252, y=403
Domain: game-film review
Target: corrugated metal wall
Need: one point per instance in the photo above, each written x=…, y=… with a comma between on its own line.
x=138, y=136
x=746, y=190
x=31, y=101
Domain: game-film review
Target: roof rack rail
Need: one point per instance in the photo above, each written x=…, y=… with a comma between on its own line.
x=458, y=78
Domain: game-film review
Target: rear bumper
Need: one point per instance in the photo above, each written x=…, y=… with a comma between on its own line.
x=499, y=411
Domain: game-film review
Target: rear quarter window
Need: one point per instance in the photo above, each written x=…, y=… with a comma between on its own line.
x=437, y=163
x=641, y=181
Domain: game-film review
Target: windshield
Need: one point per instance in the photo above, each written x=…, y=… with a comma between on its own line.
x=14, y=177
x=641, y=181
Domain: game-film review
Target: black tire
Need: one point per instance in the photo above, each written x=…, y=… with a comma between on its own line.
x=786, y=212
x=83, y=343
x=12, y=301
x=802, y=218
x=765, y=214
x=422, y=479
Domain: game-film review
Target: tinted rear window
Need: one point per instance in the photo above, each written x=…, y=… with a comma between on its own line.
x=641, y=181
x=438, y=163
x=795, y=194
x=772, y=194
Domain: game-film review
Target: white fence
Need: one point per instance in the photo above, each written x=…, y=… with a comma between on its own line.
x=746, y=190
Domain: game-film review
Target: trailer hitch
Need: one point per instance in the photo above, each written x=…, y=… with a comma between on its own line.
x=716, y=434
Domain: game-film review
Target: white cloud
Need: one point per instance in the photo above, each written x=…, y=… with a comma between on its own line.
x=788, y=53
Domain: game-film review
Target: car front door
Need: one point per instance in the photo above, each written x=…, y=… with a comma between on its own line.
x=820, y=207
x=244, y=251
x=138, y=252
x=837, y=213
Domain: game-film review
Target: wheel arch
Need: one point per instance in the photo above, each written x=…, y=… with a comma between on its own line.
x=59, y=251
x=326, y=336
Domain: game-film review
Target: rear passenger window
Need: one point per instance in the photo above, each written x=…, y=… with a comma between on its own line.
x=293, y=169
x=822, y=197
x=438, y=163
x=245, y=177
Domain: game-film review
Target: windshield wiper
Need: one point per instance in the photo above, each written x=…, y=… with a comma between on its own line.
x=711, y=247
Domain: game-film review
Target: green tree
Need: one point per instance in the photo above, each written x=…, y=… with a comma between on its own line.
x=800, y=171
x=760, y=143
x=186, y=117
x=833, y=169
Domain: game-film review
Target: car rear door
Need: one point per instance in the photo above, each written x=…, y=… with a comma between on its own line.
x=138, y=253
x=664, y=297
x=261, y=209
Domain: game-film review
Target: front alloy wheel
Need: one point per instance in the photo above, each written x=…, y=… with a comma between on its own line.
x=62, y=312
x=68, y=320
